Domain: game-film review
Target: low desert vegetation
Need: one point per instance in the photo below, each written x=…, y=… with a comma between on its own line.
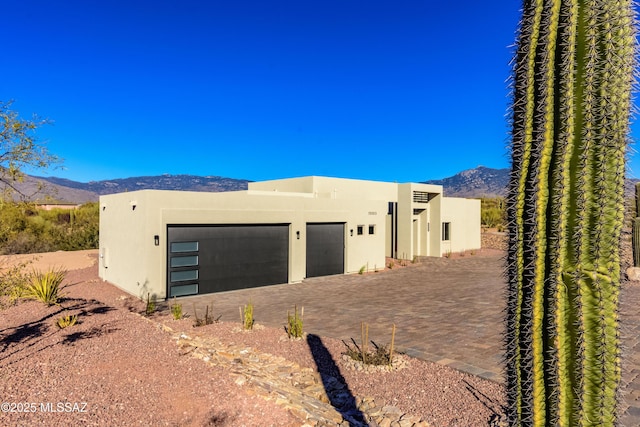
x=151, y=304
x=13, y=280
x=45, y=286
x=26, y=229
x=295, y=324
x=208, y=318
x=493, y=212
x=378, y=355
x=176, y=310
x=246, y=316
x=67, y=321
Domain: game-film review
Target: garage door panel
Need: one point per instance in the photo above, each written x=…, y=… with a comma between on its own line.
x=237, y=256
x=325, y=249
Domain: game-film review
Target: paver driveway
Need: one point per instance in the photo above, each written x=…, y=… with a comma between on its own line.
x=445, y=310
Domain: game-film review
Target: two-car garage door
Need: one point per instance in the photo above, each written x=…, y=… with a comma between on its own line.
x=205, y=259
x=215, y=258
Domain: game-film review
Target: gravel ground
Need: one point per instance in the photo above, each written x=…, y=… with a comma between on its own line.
x=116, y=368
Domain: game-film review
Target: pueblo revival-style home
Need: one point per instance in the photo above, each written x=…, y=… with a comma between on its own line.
x=178, y=243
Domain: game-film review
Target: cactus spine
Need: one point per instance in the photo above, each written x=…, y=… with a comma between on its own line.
x=570, y=122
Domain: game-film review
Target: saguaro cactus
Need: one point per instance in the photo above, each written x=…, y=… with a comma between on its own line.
x=570, y=117
x=635, y=240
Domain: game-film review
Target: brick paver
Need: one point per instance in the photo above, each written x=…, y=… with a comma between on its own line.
x=448, y=311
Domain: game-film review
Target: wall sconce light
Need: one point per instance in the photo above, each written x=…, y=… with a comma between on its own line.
x=156, y=240
x=351, y=232
x=298, y=235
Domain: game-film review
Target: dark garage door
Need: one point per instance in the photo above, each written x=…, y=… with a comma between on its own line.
x=325, y=249
x=205, y=259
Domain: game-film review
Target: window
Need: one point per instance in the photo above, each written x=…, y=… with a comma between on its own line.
x=177, y=291
x=372, y=229
x=184, y=261
x=184, y=275
x=421, y=197
x=360, y=230
x=184, y=247
x=446, y=231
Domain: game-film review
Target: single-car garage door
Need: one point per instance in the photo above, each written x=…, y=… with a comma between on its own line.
x=215, y=258
x=325, y=249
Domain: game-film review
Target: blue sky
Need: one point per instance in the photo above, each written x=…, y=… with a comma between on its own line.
x=254, y=89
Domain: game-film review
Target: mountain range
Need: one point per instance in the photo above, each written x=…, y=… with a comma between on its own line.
x=473, y=183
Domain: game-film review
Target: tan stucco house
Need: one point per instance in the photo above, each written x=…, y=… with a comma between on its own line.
x=178, y=243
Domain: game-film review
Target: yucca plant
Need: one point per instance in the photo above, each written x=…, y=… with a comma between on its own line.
x=45, y=286
x=66, y=321
x=570, y=117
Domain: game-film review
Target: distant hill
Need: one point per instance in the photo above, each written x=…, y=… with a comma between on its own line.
x=488, y=182
x=162, y=182
x=478, y=182
x=66, y=190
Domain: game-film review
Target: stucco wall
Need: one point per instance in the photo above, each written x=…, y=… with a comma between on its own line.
x=464, y=217
x=137, y=265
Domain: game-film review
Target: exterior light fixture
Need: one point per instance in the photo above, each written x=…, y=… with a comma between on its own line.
x=156, y=240
x=351, y=232
x=298, y=235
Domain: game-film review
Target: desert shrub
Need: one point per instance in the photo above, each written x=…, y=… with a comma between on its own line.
x=208, y=317
x=379, y=355
x=25, y=229
x=295, y=323
x=13, y=282
x=151, y=304
x=45, y=286
x=246, y=316
x=66, y=321
x=176, y=310
x=492, y=212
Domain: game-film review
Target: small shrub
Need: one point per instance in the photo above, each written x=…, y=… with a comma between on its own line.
x=447, y=254
x=361, y=271
x=208, y=317
x=391, y=264
x=380, y=355
x=13, y=282
x=246, y=316
x=176, y=310
x=295, y=324
x=45, y=287
x=151, y=305
x=66, y=321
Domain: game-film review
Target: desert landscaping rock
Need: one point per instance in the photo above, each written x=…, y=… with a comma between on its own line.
x=320, y=401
